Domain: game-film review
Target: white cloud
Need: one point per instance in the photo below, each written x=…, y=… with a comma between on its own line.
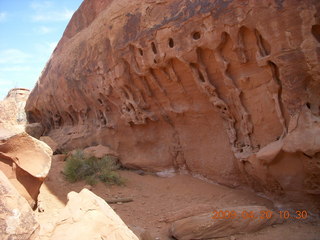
x=43, y=50
x=37, y=5
x=15, y=69
x=13, y=56
x=5, y=86
x=53, y=16
x=44, y=30
x=46, y=11
x=5, y=83
x=3, y=16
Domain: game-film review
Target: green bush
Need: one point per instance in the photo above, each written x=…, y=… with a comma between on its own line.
x=92, y=169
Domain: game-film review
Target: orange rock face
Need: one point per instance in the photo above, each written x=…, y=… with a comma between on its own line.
x=198, y=86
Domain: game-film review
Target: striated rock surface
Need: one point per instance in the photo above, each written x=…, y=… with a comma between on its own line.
x=16, y=217
x=87, y=216
x=244, y=219
x=199, y=86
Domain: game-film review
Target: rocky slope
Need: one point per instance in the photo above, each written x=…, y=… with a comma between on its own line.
x=228, y=90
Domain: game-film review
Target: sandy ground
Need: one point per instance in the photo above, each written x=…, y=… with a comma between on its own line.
x=156, y=198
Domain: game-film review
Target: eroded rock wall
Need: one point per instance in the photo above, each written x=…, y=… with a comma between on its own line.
x=198, y=86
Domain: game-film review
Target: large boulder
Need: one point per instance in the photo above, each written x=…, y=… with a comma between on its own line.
x=199, y=86
x=26, y=162
x=12, y=113
x=12, y=107
x=99, y=151
x=34, y=129
x=16, y=217
x=87, y=216
x=224, y=222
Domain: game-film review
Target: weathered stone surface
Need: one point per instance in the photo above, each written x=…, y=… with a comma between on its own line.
x=99, y=151
x=26, y=162
x=198, y=86
x=12, y=107
x=87, y=216
x=59, y=157
x=51, y=143
x=187, y=212
x=30, y=154
x=34, y=129
x=269, y=152
x=12, y=113
x=142, y=233
x=16, y=217
x=304, y=136
x=249, y=219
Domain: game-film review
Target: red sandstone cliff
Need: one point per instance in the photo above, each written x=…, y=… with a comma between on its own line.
x=225, y=89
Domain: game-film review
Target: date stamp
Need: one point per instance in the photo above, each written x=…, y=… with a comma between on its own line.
x=264, y=214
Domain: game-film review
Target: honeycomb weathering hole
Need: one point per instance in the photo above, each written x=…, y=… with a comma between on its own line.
x=316, y=31
x=308, y=105
x=201, y=77
x=196, y=35
x=154, y=49
x=171, y=43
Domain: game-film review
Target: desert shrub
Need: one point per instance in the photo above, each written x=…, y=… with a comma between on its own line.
x=92, y=169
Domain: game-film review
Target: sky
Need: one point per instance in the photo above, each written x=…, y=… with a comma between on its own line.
x=29, y=32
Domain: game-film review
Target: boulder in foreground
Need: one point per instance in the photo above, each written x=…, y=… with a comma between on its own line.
x=16, y=217
x=248, y=219
x=87, y=216
x=26, y=162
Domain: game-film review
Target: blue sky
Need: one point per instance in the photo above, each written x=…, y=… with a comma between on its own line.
x=29, y=31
